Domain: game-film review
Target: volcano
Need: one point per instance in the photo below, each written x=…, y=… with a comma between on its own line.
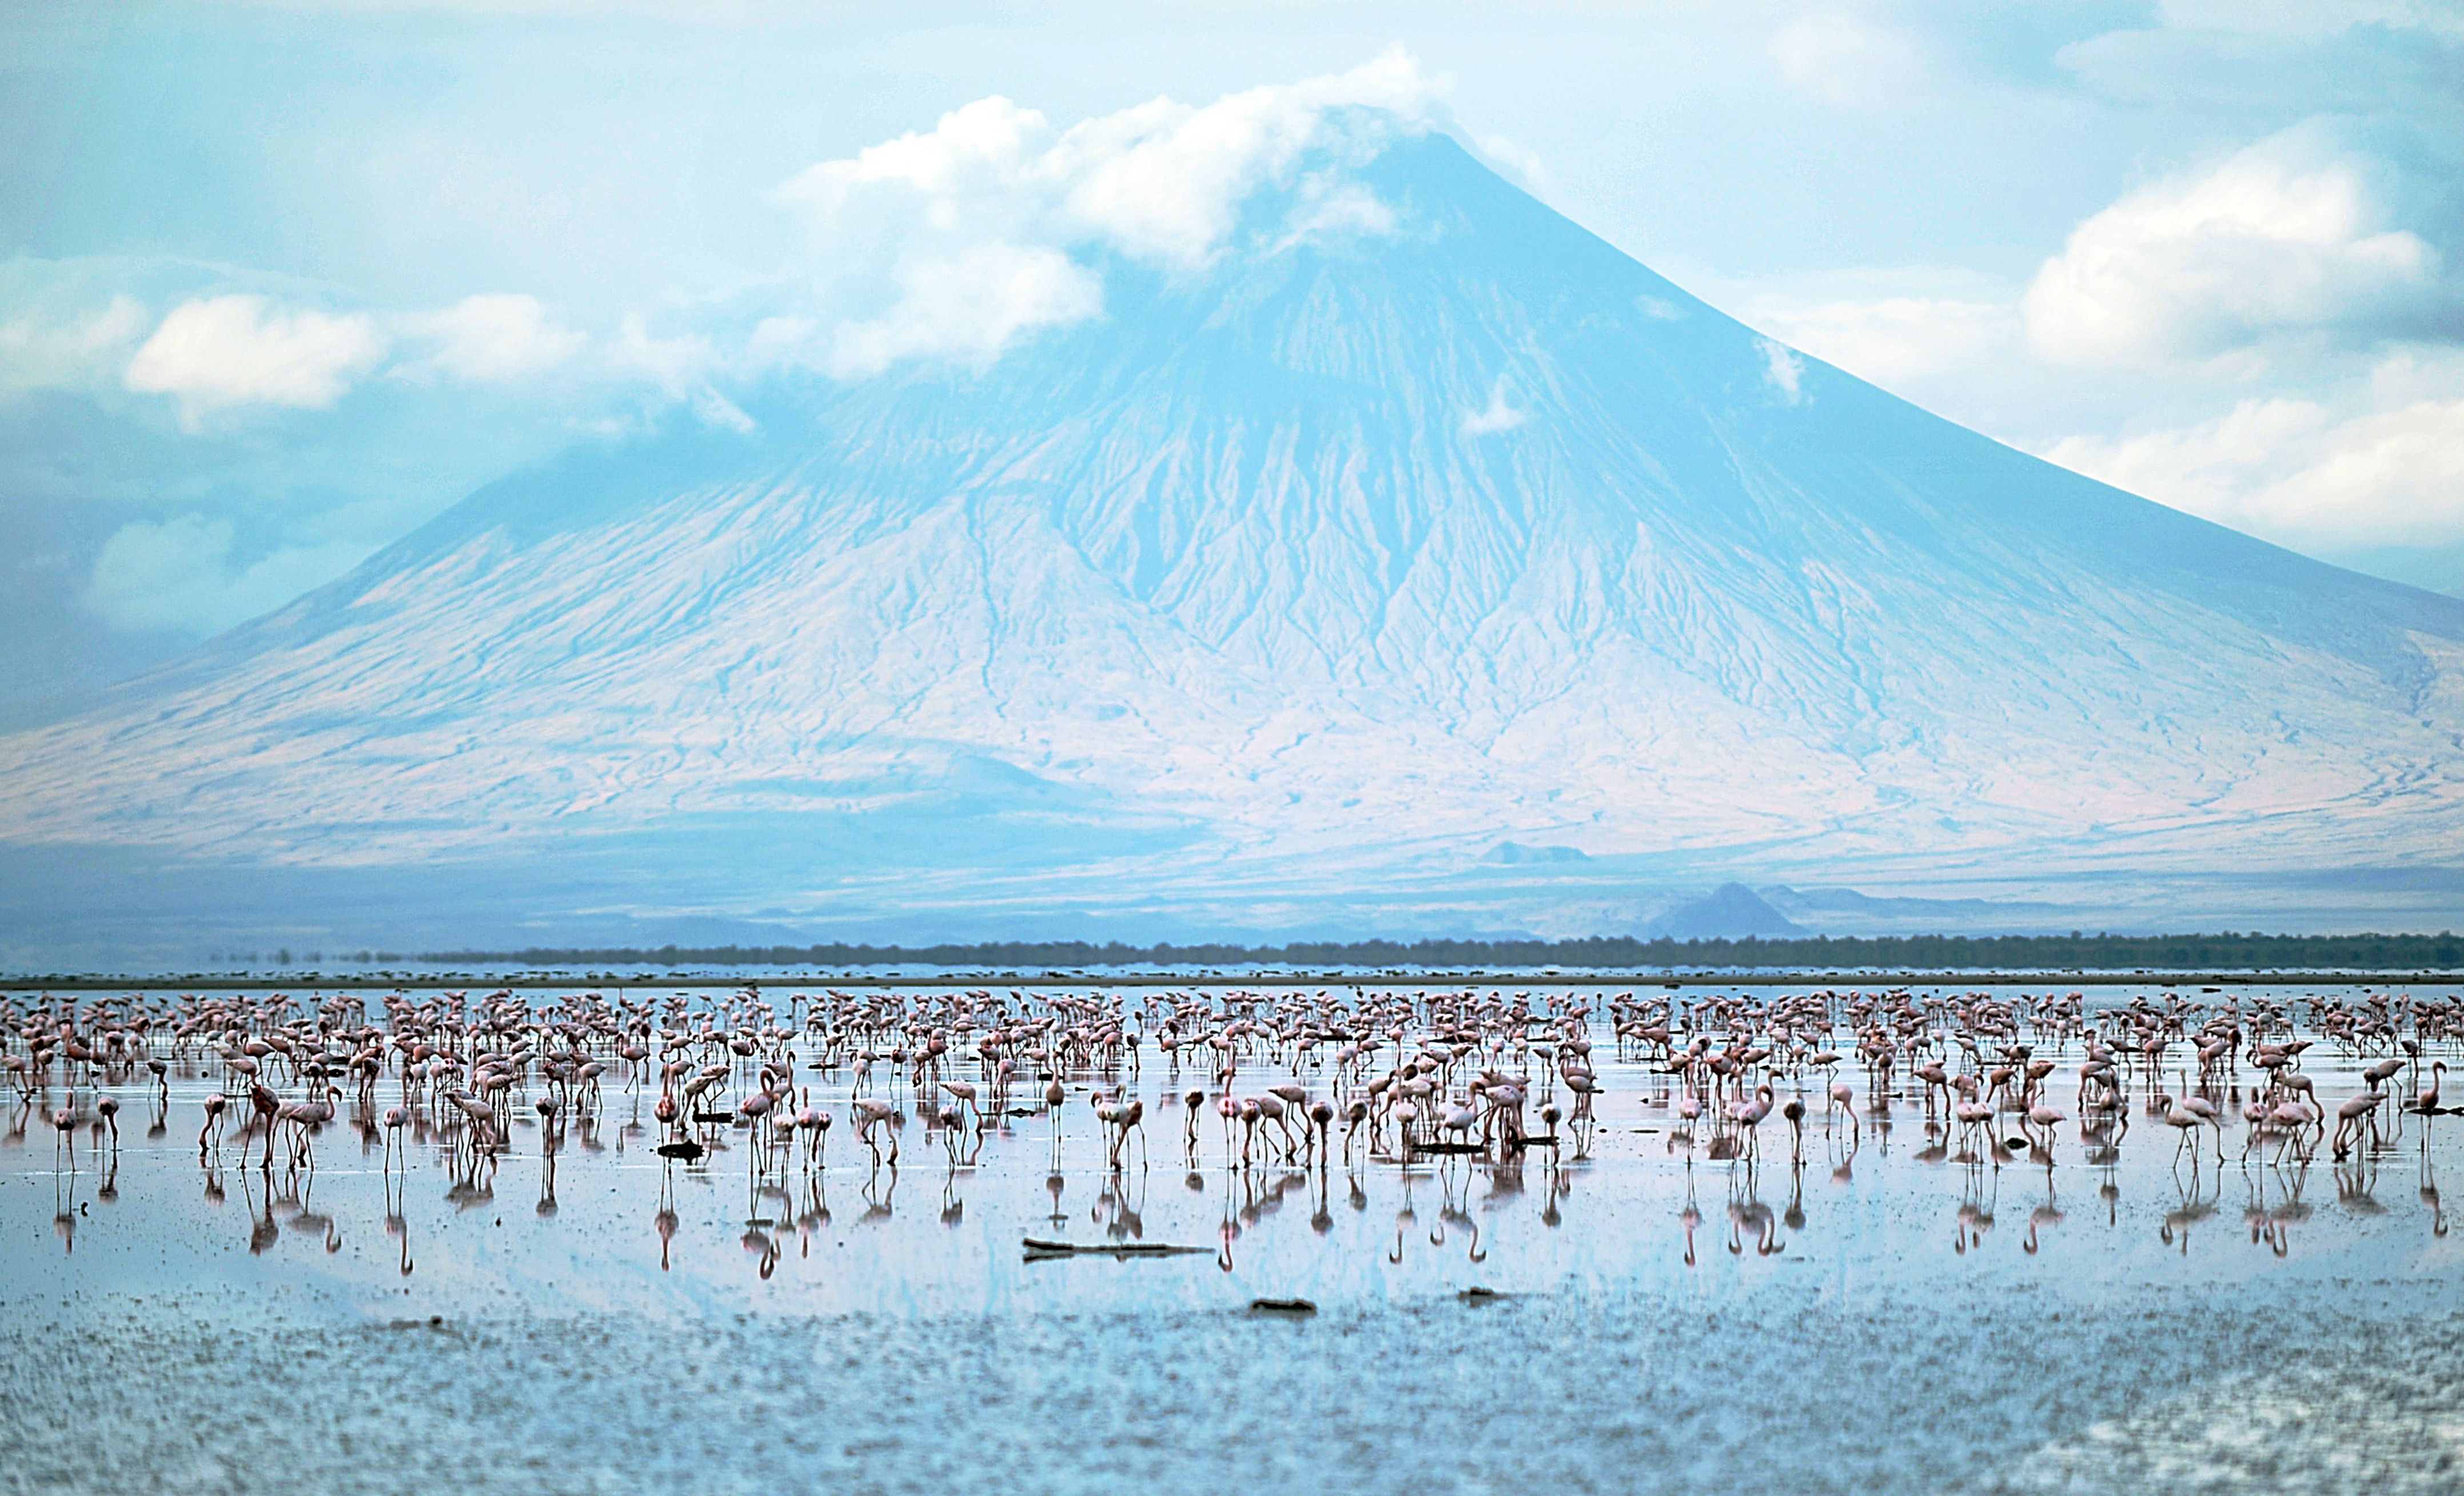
x=1276, y=599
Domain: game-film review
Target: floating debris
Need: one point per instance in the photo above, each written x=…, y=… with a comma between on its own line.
x=1283, y=1307
x=1036, y=1247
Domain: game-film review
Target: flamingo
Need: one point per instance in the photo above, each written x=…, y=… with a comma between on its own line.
x=2045, y=1115
x=2356, y=1116
x=2427, y=1102
x=213, y=1124
x=1843, y=1099
x=1749, y=1114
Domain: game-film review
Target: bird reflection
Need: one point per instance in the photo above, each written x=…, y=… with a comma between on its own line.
x=1429, y=1086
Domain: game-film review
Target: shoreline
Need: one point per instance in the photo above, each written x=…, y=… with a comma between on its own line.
x=823, y=977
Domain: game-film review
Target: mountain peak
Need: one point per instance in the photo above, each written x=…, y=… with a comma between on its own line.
x=1731, y=911
x=1400, y=521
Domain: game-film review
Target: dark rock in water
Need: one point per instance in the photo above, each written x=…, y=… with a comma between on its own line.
x=1037, y=1249
x=1283, y=1306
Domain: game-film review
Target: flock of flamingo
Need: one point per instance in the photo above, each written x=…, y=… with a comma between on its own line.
x=1272, y=1085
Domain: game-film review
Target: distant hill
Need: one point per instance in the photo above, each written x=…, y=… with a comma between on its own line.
x=2082, y=952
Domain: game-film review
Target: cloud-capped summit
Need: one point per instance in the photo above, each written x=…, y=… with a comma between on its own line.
x=958, y=242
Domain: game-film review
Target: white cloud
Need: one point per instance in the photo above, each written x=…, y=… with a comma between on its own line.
x=712, y=409
x=1846, y=60
x=674, y=364
x=955, y=241
x=2379, y=464
x=1500, y=416
x=1329, y=208
x=231, y=350
x=490, y=340
x=1164, y=181
x=2289, y=237
x=1783, y=371
x=181, y=574
x=1894, y=337
x=682, y=368
x=968, y=306
x=68, y=351
x=1517, y=161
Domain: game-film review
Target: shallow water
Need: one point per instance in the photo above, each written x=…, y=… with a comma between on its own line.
x=1878, y=1316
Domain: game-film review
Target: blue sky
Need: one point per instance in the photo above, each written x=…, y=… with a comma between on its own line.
x=279, y=283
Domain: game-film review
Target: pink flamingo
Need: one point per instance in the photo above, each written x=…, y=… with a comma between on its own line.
x=1843, y=1099
x=213, y=1124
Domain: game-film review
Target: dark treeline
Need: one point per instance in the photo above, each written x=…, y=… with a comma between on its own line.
x=2222, y=951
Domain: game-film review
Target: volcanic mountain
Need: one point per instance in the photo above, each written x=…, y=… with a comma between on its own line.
x=1277, y=598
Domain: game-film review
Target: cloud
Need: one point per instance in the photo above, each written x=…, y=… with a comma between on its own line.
x=1783, y=371
x=674, y=364
x=1895, y=337
x=231, y=350
x=1498, y=417
x=1164, y=181
x=68, y=351
x=2236, y=58
x=1327, y=207
x=2290, y=236
x=968, y=306
x=956, y=241
x=2379, y=464
x=490, y=340
x=1516, y=162
x=682, y=367
x=181, y=574
x=2310, y=19
x=1848, y=60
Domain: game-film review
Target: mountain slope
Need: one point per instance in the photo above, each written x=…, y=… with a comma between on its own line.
x=1284, y=592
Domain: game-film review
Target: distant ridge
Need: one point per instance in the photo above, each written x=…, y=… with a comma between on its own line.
x=2157, y=953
